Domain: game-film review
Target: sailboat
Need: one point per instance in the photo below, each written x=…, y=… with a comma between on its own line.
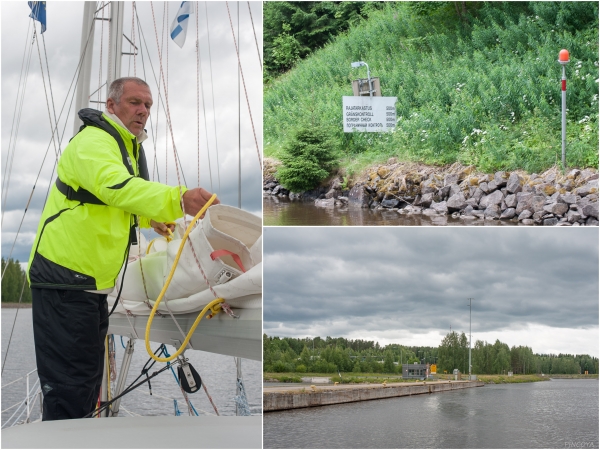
x=236, y=328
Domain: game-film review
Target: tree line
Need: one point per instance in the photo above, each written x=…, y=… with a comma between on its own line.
x=14, y=283
x=333, y=355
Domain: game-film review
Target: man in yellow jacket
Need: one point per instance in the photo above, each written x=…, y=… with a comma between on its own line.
x=83, y=239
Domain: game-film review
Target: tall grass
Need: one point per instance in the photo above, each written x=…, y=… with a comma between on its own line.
x=485, y=93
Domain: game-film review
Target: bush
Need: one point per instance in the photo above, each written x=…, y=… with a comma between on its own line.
x=301, y=368
x=280, y=366
x=307, y=159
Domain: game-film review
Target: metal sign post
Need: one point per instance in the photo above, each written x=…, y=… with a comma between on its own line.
x=563, y=59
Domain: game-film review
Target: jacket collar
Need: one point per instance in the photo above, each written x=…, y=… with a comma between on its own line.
x=142, y=136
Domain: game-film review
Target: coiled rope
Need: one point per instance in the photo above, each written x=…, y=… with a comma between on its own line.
x=214, y=305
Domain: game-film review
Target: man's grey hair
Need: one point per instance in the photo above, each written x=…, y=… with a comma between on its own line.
x=116, y=87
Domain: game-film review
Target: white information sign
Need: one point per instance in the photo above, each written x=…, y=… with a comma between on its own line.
x=369, y=114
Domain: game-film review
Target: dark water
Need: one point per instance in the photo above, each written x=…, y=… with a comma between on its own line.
x=282, y=211
x=218, y=372
x=551, y=414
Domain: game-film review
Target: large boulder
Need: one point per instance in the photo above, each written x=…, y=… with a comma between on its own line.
x=587, y=189
x=508, y=213
x=492, y=212
x=514, y=183
x=495, y=198
x=558, y=209
x=569, y=199
x=451, y=178
x=511, y=201
x=501, y=178
x=457, y=202
x=359, y=196
x=332, y=194
x=391, y=203
x=440, y=208
x=591, y=210
x=325, y=203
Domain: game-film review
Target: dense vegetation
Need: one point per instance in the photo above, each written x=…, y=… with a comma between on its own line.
x=293, y=30
x=14, y=283
x=307, y=159
x=333, y=355
x=477, y=83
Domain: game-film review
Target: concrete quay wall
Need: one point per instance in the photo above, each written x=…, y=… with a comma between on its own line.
x=306, y=397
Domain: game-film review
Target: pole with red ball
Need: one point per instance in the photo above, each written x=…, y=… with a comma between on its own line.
x=563, y=59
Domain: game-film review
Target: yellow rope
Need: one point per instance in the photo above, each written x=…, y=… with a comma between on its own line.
x=213, y=306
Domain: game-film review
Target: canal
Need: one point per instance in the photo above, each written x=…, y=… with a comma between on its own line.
x=281, y=211
x=555, y=414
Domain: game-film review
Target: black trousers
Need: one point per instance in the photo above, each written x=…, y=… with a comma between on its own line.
x=69, y=329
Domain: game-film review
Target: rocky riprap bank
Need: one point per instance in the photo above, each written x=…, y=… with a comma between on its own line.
x=550, y=198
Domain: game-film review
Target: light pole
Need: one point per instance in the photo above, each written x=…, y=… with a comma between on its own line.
x=362, y=63
x=563, y=59
x=470, y=338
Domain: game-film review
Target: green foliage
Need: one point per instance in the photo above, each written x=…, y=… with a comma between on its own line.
x=301, y=368
x=481, y=87
x=14, y=283
x=308, y=159
x=330, y=355
x=286, y=49
x=292, y=30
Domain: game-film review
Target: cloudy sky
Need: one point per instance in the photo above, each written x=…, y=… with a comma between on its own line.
x=62, y=42
x=536, y=287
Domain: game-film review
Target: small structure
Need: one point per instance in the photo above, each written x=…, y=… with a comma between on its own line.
x=415, y=371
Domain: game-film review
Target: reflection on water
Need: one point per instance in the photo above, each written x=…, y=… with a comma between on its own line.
x=555, y=414
x=282, y=211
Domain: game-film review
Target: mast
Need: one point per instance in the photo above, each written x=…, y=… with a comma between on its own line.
x=87, y=50
x=115, y=42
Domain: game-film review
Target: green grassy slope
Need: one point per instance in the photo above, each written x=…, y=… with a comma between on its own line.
x=483, y=92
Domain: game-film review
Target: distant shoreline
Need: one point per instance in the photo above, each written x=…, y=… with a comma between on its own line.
x=15, y=305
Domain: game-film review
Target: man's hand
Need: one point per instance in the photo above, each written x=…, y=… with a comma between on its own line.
x=195, y=199
x=162, y=228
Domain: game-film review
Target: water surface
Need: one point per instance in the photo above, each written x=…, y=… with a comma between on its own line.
x=555, y=414
x=281, y=211
x=218, y=372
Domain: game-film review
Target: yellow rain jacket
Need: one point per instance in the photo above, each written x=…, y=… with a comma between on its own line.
x=81, y=245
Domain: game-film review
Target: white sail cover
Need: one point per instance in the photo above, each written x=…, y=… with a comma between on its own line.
x=234, y=272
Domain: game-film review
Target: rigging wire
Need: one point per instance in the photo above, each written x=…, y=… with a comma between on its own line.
x=51, y=92
x=212, y=87
x=132, y=385
x=244, y=82
x=21, y=78
x=16, y=123
x=255, y=39
x=199, y=83
x=160, y=98
x=239, y=118
x=168, y=116
x=56, y=151
x=166, y=96
x=54, y=130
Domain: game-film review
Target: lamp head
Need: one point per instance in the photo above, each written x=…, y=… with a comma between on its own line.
x=358, y=64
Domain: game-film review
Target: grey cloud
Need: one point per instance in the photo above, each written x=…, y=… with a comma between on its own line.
x=420, y=278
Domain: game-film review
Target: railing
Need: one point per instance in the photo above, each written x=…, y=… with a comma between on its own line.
x=26, y=405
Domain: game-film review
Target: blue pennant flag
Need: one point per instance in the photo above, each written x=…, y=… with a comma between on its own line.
x=180, y=24
x=38, y=12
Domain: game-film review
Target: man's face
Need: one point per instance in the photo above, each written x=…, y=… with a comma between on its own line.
x=134, y=107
